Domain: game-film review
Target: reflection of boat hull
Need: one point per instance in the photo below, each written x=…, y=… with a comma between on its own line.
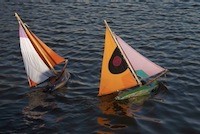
x=139, y=91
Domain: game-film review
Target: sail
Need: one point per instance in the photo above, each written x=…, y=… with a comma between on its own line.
x=35, y=67
x=138, y=61
x=115, y=74
x=39, y=59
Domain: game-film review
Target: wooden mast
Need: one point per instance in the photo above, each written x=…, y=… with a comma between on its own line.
x=34, y=41
x=126, y=59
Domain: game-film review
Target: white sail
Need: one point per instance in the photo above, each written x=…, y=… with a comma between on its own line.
x=35, y=67
x=138, y=61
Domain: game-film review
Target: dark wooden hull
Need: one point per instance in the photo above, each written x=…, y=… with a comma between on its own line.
x=60, y=81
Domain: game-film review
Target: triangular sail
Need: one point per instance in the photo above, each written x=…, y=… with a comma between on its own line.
x=115, y=74
x=38, y=58
x=138, y=61
x=36, y=69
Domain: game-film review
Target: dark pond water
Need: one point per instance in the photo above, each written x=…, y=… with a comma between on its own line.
x=167, y=32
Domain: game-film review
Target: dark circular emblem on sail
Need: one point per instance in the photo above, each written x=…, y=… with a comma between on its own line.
x=117, y=64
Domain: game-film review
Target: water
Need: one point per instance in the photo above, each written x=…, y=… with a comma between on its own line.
x=167, y=32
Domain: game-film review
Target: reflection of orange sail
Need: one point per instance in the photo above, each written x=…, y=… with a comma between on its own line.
x=109, y=106
x=115, y=73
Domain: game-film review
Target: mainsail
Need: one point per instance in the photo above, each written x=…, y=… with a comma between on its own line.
x=39, y=59
x=115, y=73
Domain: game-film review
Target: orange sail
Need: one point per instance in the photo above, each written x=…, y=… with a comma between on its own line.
x=115, y=73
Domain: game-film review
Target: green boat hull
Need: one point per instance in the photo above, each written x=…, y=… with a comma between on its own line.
x=139, y=91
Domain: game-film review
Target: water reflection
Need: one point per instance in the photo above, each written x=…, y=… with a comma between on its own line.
x=105, y=122
x=112, y=109
x=38, y=105
x=128, y=109
x=109, y=106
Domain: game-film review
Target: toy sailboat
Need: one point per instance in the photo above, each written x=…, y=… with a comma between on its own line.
x=40, y=61
x=124, y=68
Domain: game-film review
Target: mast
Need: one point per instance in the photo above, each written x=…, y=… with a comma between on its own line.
x=126, y=59
x=34, y=41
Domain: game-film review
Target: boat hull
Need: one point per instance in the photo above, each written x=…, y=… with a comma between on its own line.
x=139, y=91
x=60, y=81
